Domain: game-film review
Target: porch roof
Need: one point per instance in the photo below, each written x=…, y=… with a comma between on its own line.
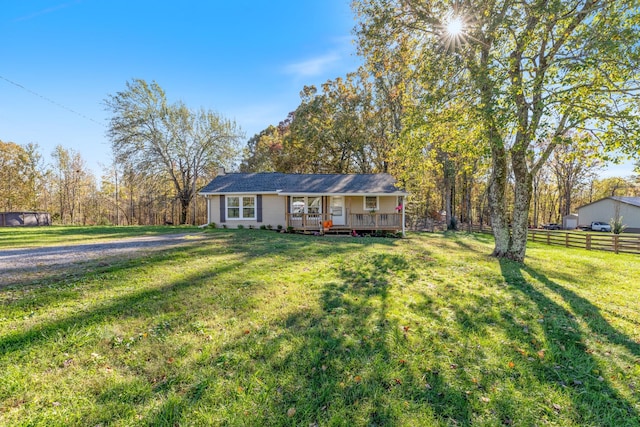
x=290, y=184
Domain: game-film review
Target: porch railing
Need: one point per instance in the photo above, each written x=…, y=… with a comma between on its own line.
x=375, y=221
x=359, y=221
x=306, y=221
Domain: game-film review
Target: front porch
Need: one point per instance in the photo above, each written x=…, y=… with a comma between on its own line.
x=322, y=222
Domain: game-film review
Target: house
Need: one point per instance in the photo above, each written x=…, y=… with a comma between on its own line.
x=610, y=208
x=306, y=202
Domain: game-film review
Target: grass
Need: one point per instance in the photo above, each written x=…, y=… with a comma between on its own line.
x=253, y=327
x=11, y=237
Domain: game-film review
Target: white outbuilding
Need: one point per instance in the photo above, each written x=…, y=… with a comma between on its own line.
x=610, y=208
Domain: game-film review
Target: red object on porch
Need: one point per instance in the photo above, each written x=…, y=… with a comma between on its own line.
x=327, y=225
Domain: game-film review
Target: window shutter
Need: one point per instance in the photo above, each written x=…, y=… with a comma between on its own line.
x=259, y=207
x=222, y=209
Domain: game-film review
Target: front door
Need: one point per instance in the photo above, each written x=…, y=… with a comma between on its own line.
x=337, y=210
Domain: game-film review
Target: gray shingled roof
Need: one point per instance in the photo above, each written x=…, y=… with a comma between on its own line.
x=635, y=201
x=283, y=183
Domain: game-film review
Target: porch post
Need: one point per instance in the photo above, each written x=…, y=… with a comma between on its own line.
x=403, y=231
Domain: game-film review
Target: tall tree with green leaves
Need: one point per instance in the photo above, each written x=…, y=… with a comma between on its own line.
x=533, y=69
x=169, y=140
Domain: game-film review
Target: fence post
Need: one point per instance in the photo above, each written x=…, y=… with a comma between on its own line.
x=548, y=237
x=566, y=239
x=588, y=242
x=615, y=243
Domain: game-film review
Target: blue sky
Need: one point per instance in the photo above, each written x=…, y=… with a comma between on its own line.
x=246, y=59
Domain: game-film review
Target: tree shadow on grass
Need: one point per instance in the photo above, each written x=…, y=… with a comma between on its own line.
x=572, y=370
x=588, y=313
x=338, y=364
x=120, y=307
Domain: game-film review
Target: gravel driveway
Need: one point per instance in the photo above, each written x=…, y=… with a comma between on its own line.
x=24, y=264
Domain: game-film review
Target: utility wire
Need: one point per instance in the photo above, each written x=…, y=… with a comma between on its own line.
x=57, y=104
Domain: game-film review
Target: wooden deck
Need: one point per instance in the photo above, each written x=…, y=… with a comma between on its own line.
x=358, y=222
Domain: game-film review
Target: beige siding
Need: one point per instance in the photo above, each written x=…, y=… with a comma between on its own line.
x=604, y=210
x=273, y=212
x=387, y=204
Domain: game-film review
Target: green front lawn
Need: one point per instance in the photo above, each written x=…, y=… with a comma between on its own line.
x=23, y=237
x=252, y=327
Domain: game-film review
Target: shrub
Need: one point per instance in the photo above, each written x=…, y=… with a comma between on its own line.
x=279, y=227
x=240, y=227
x=213, y=225
x=263, y=227
x=617, y=226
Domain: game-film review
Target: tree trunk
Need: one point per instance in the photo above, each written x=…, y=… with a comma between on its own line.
x=184, y=210
x=522, y=199
x=497, y=196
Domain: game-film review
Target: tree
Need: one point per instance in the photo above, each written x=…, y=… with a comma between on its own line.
x=330, y=130
x=572, y=165
x=534, y=70
x=72, y=184
x=13, y=179
x=264, y=150
x=169, y=140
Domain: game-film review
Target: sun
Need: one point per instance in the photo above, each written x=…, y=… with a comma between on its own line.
x=454, y=31
x=455, y=27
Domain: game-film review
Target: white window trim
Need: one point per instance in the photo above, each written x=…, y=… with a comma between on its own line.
x=364, y=203
x=240, y=207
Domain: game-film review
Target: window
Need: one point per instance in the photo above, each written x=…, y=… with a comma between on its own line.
x=371, y=203
x=241, y=207
x=306, y=205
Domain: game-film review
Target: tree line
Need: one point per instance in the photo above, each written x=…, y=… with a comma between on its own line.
x=506, y=120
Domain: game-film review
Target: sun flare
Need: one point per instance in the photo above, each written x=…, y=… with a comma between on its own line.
x=455, y=27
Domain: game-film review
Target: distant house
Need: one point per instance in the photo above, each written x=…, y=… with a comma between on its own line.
x=306, y=202
x=611, y=207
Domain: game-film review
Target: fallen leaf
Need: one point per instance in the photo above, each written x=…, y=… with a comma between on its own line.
x=357, y=378
x=485, y=399
x=291, y=412
x=246, y=332
x=512, y=365
x=324, y=367
x=557, y=407
x=541, y=354
x=398, y=381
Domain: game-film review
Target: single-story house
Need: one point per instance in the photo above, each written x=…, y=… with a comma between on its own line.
x=610, y=208
x=306, y=202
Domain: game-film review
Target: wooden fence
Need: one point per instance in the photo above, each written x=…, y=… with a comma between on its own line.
x=596, y=241
x=618, y=243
